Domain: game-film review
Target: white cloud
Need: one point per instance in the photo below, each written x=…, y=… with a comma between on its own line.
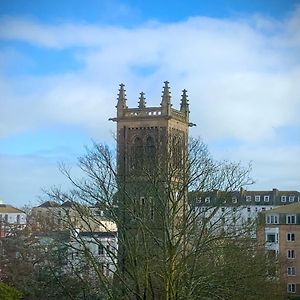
x=237, y=74
x=242, y=77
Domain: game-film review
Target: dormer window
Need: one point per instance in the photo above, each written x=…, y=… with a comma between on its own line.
x=234, y=200
x=257, y=198
x=283, y=198
x=266, y=198
x=272, y=219
x=291, y=219
x=291, y=198
x=207, y=200
x=248, y=198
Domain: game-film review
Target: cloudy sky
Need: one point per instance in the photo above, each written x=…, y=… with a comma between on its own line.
x=61, y=63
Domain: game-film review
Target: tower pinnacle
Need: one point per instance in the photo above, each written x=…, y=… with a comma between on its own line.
x=142, y=102
x=121, y=105
x=121, y=97
x=166, y=98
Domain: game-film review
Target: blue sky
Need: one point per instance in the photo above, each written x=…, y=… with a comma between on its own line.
x=61, y=63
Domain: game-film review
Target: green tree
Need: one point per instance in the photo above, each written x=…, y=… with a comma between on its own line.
x=9, y=293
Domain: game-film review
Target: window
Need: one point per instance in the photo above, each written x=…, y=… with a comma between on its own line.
x=248, y=220
x=248, y=209
x=263, y=209
x=272, y=219
x=198, y=200
x=257, y=198
x=207, y=200
x=266, y=198
x=271, y=238
x=290, y=237
x=283, y=198
x=291, y=271
x=291, y=288
x=234, y=200
x=100, y=249
x=223, y=209
x=18, y=219
x=291, y=198
x=234, y=209
x=248, y=198
x=291, y=219
x=6, y=218
x=291, y=253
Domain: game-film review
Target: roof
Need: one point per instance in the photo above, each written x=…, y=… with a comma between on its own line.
x=288, y=208
x=243, y=197
x=5, y=208
x=49, y=204
x=67, y=203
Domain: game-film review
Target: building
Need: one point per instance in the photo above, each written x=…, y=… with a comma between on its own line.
x=239, y=208
x=151, y=151
x=101, y=246
x=11, y=219
x=54, y=216
x=84, y=232
x=280, y=235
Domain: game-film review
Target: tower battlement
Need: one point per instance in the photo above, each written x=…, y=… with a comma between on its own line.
x=164, y=111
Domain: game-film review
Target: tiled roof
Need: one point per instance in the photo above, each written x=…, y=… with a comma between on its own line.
x=5, y=208
x=244, y=197
x=49, y=204
x=288, y=208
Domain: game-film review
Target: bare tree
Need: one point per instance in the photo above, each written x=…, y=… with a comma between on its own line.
x=166, y=249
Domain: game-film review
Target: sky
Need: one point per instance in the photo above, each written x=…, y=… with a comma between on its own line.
x=61, y=63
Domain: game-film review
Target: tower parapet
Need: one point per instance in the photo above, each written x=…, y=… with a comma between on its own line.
x=165, y=110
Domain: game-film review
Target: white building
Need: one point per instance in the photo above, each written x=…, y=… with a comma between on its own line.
x=11, y=219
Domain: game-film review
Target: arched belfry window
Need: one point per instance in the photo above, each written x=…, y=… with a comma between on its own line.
x=137, y=153
x=177, y=150
x=150, y=151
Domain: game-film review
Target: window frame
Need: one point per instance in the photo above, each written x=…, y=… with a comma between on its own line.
x=291, y=288
x=291, y=198
x=291, y=219
x=290, y=237
x=272, y=219
x=283, y=198
x=291, y=254
x=291, y=271
x=266, y=198
x=257, y=198
x=207, y=200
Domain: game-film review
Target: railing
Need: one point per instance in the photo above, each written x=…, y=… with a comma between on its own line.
x=144, y=112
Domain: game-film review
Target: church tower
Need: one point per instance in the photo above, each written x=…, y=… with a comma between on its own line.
x=151, y=158
x=150, y=132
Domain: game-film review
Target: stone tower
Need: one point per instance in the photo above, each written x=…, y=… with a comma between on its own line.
x=151, y=156
x=147, y=132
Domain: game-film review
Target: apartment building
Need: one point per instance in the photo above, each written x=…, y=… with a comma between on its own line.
x=239, y=208
x=280, y=235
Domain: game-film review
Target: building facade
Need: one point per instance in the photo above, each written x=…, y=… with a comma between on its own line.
x=280, y=234
x=11, y=219
x=239, y=208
